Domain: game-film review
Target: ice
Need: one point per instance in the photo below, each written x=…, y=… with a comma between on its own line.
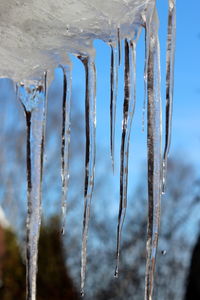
x=65, y=144
x=128, y=112
x=154, y=145
x=145, y=19
x=119, y=44
x=169, y=83
x=115, y=57
x=90, y=154
x=145, y=80
x=36, y=35
x=32, y=96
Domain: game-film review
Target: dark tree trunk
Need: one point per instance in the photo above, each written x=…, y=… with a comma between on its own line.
x=193, y=280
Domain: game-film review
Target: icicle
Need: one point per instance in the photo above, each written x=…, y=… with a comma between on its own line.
x=169, y=83
x=66, y=127
x=113, y=98
x=148, y=13
x=119, y=45
x=154, y=132
x=33, y=100
x=145, y=79
x=90, y=152
x=128, y=112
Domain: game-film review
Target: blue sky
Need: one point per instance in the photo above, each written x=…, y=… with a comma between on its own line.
x=186, y=121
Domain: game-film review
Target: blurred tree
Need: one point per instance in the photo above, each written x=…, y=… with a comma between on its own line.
x=53, y=280
x=193, y=280
x=13, y=269
x=178, y=208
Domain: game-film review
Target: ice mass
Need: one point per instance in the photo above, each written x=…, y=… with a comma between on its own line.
x=36, y=37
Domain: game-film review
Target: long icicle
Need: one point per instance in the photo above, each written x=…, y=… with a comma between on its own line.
x=128, y=112
x=90, y=153
x=154, y=134
x=171, y=36
x=34, y=101
x=65, y=144
x=113, y=98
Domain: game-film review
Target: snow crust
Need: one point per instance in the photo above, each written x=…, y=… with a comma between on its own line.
x=35, y=35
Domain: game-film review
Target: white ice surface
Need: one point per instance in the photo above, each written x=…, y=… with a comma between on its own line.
x=35, y=35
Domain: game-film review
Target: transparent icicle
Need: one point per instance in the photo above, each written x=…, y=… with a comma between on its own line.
x=33, y=99
x=90, y=153
x=128, y=112
x=65, y=144
x=119, y=45
x=154, y=133
x=113, y=97
x=145, y=19
x=145, y=79
x=171, y=36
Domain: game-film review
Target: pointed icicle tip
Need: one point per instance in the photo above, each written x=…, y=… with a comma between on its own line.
x=154, y=145
x=90, y=154
x=116, y=274
x=128, y=113
x=33, y=99
x=82, y=293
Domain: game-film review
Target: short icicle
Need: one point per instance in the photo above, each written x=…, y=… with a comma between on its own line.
x=33, y=99
x=171, y=37
x=113, y=98
x=90, y=152
x=119, y=45
x=154, y=134
x=128, y=112
x=65, y=144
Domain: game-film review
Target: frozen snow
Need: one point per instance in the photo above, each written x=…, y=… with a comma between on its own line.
x=36, y=35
